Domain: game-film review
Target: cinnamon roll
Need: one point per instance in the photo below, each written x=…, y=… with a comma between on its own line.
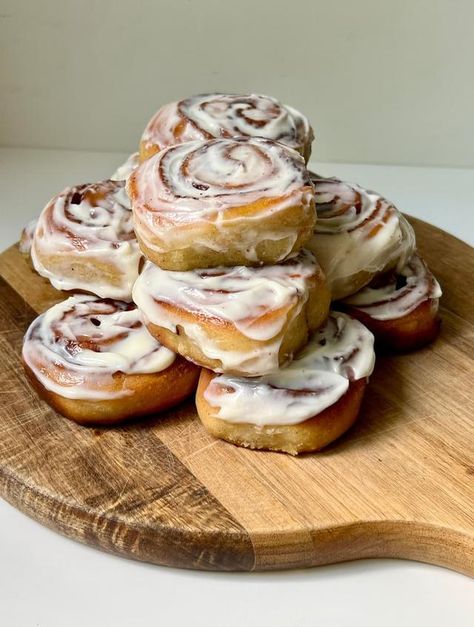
x=212, y=116
x=84, y=240
x=222, y=202
x=123, y=171
x=242, y=320
x=301, y=407
x=400, y=308
x=358, y=235
x=94, y=362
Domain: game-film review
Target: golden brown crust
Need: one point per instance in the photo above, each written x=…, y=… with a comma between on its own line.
x=342, y=287
x=93, y=270
x=150, y=393
x=294, y=334
x=414, y=330
x=247, y=223
x=307, y=436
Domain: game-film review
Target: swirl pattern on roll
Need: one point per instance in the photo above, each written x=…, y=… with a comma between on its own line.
x=211, y=182
x=357, y=231
x=256, y=301
x=199, y=180
x=218, y=115
x=340, y=351
x=91, y=221
x=86, y=340
x=242, y=296
x=397, y=294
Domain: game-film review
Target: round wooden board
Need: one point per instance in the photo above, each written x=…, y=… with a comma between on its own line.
x=399, y=484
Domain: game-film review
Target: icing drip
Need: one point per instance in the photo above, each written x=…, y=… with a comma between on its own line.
x=90, y=339
x=123, y=171
x=227, y=115
x=397, y=295
x=205, y=182
x=89, y=222
x=357, y=230
x=255, y=301
x=339, y=352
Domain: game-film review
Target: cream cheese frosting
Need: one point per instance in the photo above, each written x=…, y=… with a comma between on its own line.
x=89, y=222
x=400, y=294
x=205, y=183
x=242, y=296
x=90, y=339
x=123, y=171
x=229, y=115
x=357, y=231
x=341, y=351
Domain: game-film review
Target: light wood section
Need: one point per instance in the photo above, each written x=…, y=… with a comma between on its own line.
x=399, y=484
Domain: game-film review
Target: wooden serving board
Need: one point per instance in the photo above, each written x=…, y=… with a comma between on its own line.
x=399, y=484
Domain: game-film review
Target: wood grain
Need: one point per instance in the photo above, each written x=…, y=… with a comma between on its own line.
x=399, y=484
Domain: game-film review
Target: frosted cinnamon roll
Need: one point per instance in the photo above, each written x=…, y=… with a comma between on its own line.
x=358, y=235
x=123, y=171
x=94, y=361
x=400, y=308
x=242, y=320
x=301, y=407
x=84, y=240
x=211, y=116
x=222, y=202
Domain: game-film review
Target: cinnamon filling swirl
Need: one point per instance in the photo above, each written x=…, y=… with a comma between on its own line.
x=76, y=347
x=228, y=115
x=397, y=294
x=340, y=352
x=89, y=228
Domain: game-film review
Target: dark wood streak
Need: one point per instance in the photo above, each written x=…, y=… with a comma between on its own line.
x=125, y=492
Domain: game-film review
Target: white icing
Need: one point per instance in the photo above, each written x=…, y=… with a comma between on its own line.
x=357, y=230
x=339, y=352
x=250, y=238
x=120, y=342
x=202, y=183
x=253, y=362
x=387, y=302
x=26, y=238
x=228, y=115
x=85, y=223
x=247, y=298
x=123, y=171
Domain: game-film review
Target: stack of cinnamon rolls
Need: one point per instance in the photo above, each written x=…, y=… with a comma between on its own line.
x=213, y=259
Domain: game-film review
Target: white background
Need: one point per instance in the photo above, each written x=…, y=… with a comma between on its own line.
x=49, y=581
x=383, y=83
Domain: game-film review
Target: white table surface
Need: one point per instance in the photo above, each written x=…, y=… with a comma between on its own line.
x=49, y=581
